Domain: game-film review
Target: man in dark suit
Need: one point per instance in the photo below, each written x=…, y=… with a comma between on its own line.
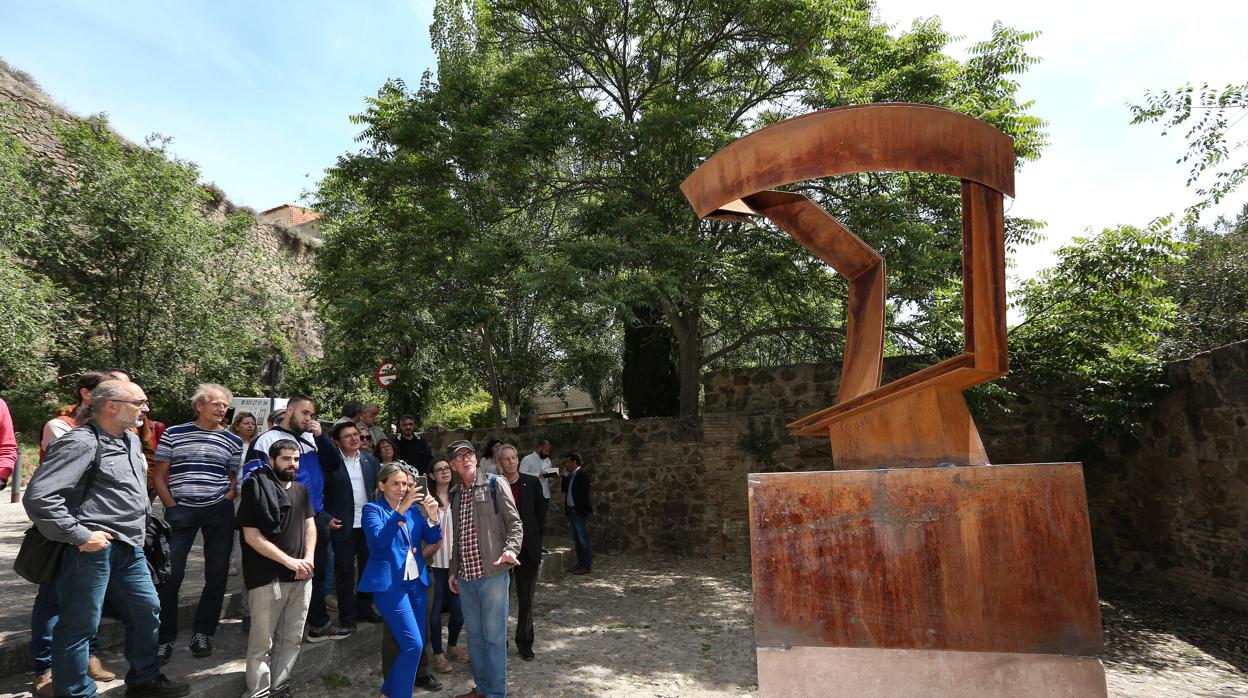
x=577, y=504
x=347, y=490
x=531, y=501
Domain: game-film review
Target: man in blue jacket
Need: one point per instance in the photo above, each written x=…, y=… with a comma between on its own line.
x=347, y=490
x=317, y=457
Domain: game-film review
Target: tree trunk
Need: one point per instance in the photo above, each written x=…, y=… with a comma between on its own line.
x=686, y=325
x=495, y=410
x=650, y=381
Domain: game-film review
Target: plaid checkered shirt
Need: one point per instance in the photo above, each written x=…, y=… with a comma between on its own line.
x=469, y=548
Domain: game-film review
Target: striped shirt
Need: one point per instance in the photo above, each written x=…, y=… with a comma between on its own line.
x=200, y=462
x=469, y=547
x=442, y=556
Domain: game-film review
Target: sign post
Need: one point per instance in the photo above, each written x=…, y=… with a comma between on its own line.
x=387, y=373
x=271, y=377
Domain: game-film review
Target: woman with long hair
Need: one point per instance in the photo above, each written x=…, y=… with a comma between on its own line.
x=442, y=477
x=489, y=456
x=395, y=574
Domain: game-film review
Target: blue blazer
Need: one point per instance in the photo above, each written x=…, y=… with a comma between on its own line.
x=388, y=543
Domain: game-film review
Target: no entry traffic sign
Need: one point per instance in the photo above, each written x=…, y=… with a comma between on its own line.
x=387, y=373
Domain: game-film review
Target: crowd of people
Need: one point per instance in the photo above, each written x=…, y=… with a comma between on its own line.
x=409, y=536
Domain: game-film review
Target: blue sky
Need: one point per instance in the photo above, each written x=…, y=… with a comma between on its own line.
x=258, y=93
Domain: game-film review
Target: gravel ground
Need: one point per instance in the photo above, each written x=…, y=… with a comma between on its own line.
x=683, y=628
x=632, y=628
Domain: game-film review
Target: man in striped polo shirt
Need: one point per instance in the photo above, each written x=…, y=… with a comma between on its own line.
x=195, y=469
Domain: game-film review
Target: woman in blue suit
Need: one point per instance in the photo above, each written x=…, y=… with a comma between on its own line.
x=395, y=573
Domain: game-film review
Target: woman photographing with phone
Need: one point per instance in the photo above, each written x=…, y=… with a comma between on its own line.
x=395, y=532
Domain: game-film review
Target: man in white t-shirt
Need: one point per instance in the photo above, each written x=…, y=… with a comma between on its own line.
x=537, y=464
x=347, y=490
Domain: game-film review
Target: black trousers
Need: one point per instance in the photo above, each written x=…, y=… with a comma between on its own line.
x=350, y=557
x=524, y=579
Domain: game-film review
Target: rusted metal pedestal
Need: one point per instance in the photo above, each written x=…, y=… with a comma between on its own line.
x=953, y=581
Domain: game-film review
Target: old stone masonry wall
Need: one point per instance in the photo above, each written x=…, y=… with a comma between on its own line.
x=1171, y=504
x=286, y=255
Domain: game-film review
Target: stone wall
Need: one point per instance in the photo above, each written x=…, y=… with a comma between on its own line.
x=646, y=476
x=287, y=255
x=1170, y=503
x=1174, y=501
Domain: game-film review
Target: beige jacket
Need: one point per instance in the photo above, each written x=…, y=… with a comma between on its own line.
x=496, y=531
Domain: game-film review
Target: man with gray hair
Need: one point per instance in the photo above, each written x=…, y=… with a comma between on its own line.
x=196, y=466
x=91, y=494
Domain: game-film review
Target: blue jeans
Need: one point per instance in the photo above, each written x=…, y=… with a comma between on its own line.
x=580, y=538
x=405, y=614
x=484, y=600
x=118, y=573
x=217, y=523
x=43, y=617
x=442, y=595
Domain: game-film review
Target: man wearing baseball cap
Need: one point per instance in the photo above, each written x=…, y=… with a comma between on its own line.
x=488, y=535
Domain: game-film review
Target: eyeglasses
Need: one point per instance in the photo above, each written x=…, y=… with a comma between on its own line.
x=136, y=403
x=442, y=470
x=463, y=454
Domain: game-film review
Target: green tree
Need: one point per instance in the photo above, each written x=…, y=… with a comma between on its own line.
x=1096, y=324
x=1209, y=115
x=672, y=82
x=1210, y=286
x=126, y=254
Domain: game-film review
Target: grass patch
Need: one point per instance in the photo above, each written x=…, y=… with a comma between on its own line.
x=332, y=680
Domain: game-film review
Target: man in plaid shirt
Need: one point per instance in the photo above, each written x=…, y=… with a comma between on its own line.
x=488, y=535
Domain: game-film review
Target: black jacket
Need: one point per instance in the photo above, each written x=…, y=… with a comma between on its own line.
x=415, y=453
x=532, y=506
x=580, y=492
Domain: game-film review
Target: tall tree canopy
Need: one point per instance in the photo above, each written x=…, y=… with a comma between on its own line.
x=559, y=132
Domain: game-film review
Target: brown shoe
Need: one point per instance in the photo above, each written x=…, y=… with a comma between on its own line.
x=474, y=693
x=458, y=652
x=42, y=686
x=97, y=671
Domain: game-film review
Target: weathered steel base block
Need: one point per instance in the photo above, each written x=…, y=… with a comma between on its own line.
x=875, y=673
x=968, y=563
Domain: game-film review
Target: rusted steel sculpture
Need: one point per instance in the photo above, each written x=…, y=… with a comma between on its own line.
x=893, y=576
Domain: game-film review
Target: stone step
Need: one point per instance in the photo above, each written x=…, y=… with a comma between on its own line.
x=222, y=674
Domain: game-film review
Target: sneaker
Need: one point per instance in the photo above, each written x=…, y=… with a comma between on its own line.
x=457, y=652
x=201, y=645
x=164, y=653
x=42, y=687
x=441, y=663
x=329, y=632
x=97, y=671
x=159, y=686
x=429, y=683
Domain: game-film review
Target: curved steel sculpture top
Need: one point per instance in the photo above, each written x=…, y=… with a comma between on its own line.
x=865, y=138
x=920, y=419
